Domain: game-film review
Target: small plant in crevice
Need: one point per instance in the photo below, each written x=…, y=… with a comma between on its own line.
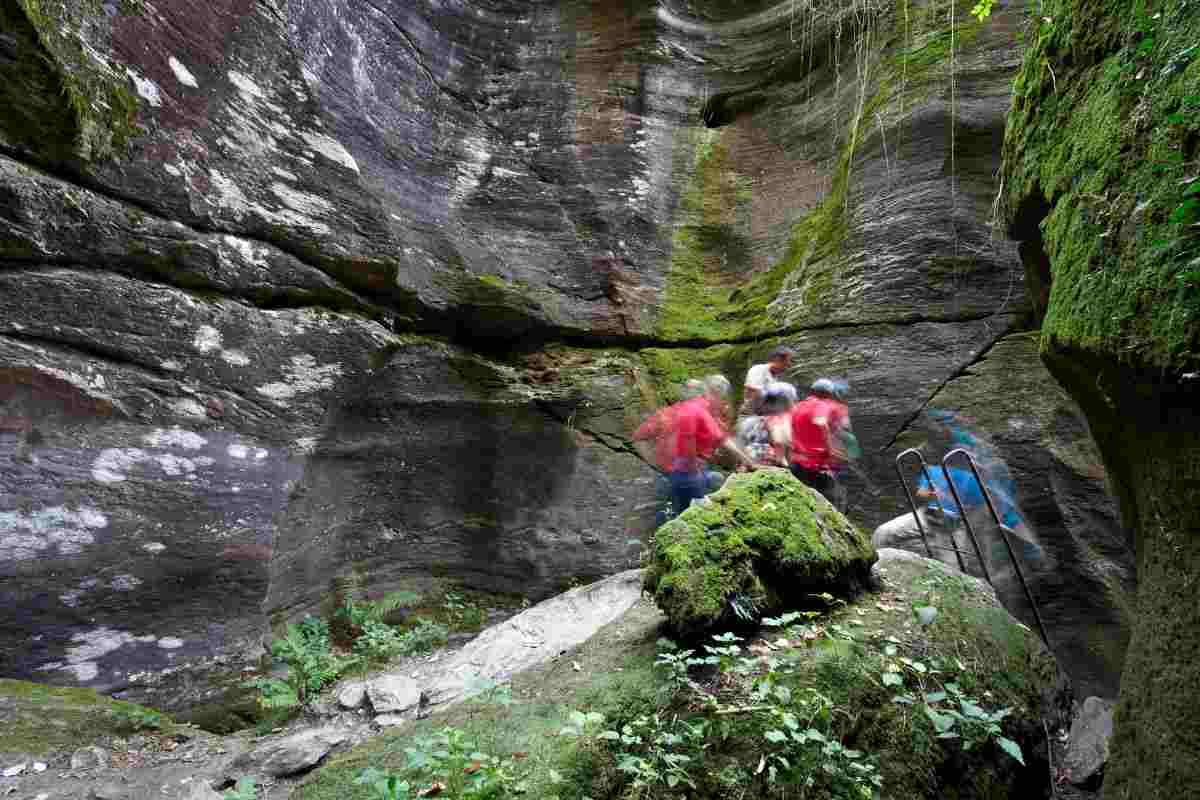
x=132, y=719
x=462, y=613
x=311, y=665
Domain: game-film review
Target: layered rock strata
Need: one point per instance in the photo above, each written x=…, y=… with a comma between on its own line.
x=302, y=290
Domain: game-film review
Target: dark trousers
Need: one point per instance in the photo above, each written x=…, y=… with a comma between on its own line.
x=822, y=481
x=686, y=487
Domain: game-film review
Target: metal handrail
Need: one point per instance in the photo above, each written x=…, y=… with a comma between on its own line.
x=1004, y=530
x=912, y=451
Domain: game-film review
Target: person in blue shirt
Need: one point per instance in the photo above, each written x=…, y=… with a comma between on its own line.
x=969, y=492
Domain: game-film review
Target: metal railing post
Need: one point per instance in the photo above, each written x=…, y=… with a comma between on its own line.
x=1004, y=532
x=913, y=505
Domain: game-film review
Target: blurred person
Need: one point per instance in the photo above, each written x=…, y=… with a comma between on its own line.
x=821, y=439
x=659, y=427
x=766, y=436
x=697, y=436
x=760, y=376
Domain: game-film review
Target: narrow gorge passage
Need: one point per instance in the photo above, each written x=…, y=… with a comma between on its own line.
x=305, y=294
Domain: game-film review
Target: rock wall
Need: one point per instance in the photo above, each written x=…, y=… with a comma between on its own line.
x=1100, y=188
x=301, y=289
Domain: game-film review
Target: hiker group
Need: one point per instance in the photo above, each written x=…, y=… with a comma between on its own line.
x=774, y=428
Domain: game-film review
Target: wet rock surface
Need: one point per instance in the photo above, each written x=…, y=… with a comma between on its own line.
x=1071, y=544
x=373, y=287
x=288, y=755
x=1088, y=750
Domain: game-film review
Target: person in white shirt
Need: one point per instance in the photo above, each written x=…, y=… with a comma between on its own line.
x=762, y=375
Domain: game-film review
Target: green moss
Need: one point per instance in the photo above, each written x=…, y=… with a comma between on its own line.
x=1108, y=141
x=668, y=369
x=37, y=720
x=708, y=245
x=708, y=296
x=1000, y=662
x=764, y=536
x=101, y=107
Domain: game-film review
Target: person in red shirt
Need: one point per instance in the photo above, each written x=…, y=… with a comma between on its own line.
x=660, y=427
x=820, y=424
x=697, y=435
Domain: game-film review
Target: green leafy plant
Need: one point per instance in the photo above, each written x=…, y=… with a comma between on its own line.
x=964, y=718
x=983, y=9
x=462, y=613
x=133, y=718
x=311, y=663
x=657, y=749
x=451, y=761
x=383, y=785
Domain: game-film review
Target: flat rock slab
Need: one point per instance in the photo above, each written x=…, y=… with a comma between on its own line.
x=1091, y=731
x=291, y=754
x=532, y=637
x=393, y=694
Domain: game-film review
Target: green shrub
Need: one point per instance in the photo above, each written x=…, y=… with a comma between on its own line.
x=311, y=663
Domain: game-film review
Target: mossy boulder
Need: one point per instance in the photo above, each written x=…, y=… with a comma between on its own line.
x=40, y=720
x=764, y=541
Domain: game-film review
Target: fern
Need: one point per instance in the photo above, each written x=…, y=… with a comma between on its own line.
x=392, y=601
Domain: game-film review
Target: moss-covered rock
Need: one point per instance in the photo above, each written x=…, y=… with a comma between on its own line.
x=1103, y=193
x=763, y=541
x=39, y=720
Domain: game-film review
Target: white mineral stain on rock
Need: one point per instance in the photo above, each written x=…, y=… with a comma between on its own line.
x=246, y=251
x=114, y=463
x=246, y=86
x=89, y=646
x=471, y=167
x=25, y=536
x=302, y=376
x=228, y=195
x=237, y=450
x=301, y=202
x=170, y=643
x=71, y=598
x=174, y=465
x=187, y=407
x=125, y=583
x=330, y=148
x=235, y=357
x=207, y=339
x=283, y=173
x=147, y=89
x=83, y=672
x=154, y=547
x=182, y=74
x=175, y=437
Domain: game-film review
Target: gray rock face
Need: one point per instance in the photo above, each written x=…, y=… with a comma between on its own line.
x=1076, y=552
x=351, y=695
x=323, y=288
x=288, y=755
x=393, y=694
x=1091, y=731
